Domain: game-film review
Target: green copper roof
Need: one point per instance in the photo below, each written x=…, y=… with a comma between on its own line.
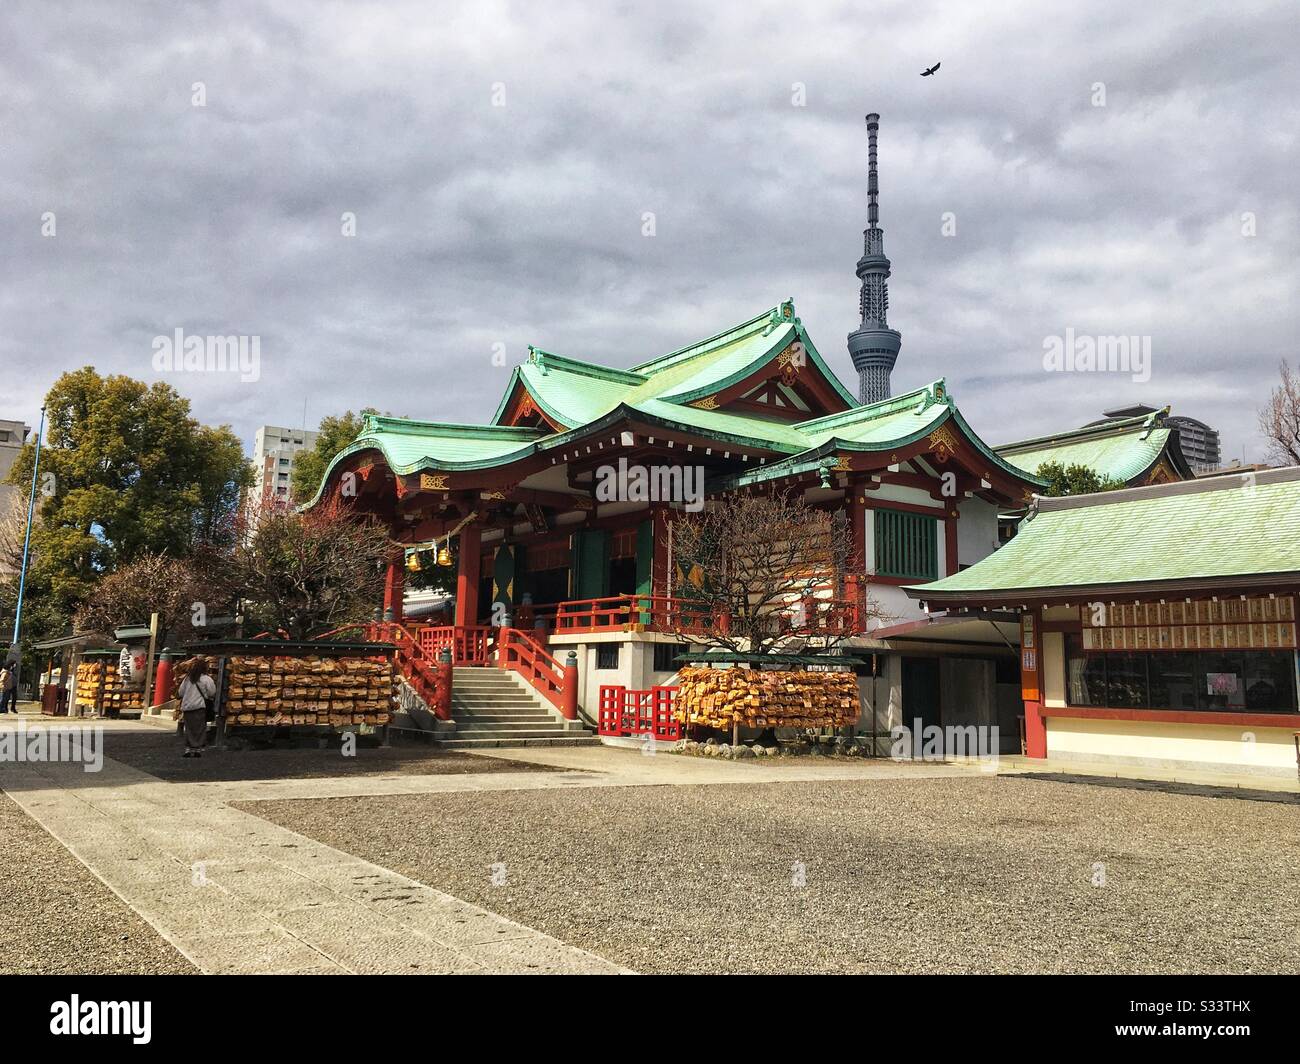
x=574, y=393
x=882, y=426
x=583, y=398
x=1122, y=449
x=882, y=423
x=411, y=446
x=1184, y=532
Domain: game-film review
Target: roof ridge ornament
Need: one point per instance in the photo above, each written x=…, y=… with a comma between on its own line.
x=781, y=314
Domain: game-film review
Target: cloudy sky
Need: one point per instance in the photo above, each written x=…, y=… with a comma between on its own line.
x=1111, y=168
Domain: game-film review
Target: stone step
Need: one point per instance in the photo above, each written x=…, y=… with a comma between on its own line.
x=487, y=744
x=466, y=724
x=507, y=691
x=487, y=690
x=459, y=705
x=505, y=718
x=515, y=733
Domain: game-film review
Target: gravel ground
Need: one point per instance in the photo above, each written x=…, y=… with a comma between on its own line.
x=57, y=918
x=158, y=752
x=937, y=875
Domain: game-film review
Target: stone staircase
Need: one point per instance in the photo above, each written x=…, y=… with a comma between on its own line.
x=495, y=707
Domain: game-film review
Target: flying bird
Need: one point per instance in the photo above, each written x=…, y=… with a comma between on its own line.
x=927, y=73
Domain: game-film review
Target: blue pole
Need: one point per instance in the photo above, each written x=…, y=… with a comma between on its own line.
x=27, y=543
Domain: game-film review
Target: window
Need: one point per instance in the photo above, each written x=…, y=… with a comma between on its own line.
x=907, y=545
x=664, y=655
x=1212, y=681
x=607, y=656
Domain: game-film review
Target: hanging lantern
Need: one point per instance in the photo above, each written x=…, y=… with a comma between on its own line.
x=413, y=562
x=444, y=554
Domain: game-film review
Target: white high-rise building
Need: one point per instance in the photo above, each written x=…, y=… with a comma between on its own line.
x=13, y=434
x=274, y=452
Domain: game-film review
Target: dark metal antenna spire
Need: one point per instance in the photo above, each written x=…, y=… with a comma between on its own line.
x=874, y=346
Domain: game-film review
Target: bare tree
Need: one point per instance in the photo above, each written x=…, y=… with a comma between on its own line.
x=174, y=588
x=759, y=573
x=13, y=527
x=303, y=573
x=1279, y=420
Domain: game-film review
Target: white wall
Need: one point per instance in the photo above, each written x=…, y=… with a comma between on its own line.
x=1213, y=747
x=977, y=530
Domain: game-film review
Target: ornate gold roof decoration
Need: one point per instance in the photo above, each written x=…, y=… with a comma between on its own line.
x=944, y=442
x=431, y=482
x=709, y=402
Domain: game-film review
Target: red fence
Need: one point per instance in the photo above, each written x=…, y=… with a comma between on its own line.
x=654, y=612
x=659, y=613
x=638, y=713
x=468, y=643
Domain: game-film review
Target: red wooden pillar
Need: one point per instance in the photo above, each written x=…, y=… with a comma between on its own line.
x=855, y=580
x=950, y=541
x=442, y=687
x=394, y=587
x=467, y=575
x=660, y=577
x=162, y=681
x=1031, y=686
x=569, y=692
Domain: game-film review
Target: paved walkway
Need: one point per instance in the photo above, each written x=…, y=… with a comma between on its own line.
x=237, y=894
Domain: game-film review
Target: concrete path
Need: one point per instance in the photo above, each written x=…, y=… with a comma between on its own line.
x=236, y=894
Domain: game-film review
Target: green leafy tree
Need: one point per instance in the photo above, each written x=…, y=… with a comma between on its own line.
x=1074, y=479
x=125, y=471
x=335, y=434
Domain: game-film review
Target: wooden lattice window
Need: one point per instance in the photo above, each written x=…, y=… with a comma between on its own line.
x=907, y=545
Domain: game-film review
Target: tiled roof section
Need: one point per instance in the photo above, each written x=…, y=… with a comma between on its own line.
x=571, y=392
x=409, y=446
x=582, y=397
x=1121, y=449
x=575, y=393
x=1201, y=530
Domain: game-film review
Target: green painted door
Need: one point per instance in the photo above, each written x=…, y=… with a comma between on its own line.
x=591, y=564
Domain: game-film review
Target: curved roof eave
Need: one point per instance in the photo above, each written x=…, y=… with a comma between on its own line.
x=374, y=443
x=809, y=459
x=780, y=343
x=627, y=412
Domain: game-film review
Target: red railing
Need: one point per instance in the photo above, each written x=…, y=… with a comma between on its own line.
x=657, y=613
x=420, y=670
x=469, y=644
x=638, y=713
x=660, y=613
x=520, y=652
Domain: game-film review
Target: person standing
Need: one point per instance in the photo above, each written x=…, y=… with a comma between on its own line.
x=196, y=691
x=9, y=689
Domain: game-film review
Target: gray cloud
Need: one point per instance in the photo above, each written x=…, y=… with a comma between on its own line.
x=522, y=224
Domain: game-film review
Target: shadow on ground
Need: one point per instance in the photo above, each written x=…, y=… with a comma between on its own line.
x=159, y=754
